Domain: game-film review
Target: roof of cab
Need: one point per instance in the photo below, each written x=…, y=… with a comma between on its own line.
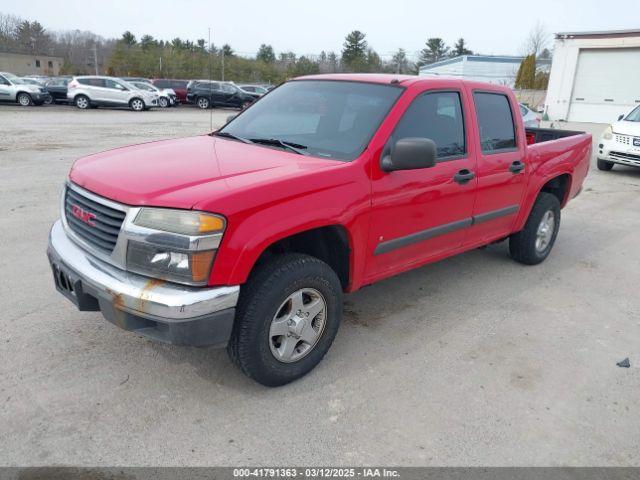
x=403, y=80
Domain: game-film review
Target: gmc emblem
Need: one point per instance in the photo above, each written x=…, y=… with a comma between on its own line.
x=83, y=215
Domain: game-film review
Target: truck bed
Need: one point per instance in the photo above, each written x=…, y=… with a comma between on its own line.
x=539, y=135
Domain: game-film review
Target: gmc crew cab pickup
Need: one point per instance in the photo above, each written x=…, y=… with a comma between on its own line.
x=248, y=236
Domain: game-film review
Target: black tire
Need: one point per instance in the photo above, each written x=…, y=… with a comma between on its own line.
x=48, y=100
x=203, y=103
x=261, y=297
x=163, y=102
x=137, y=104
x=82, y=102
x=604, y=165
x=24, y=99
x=245, y=105
x=523, y=245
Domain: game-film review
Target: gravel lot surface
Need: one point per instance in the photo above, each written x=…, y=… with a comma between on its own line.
x=475, y=360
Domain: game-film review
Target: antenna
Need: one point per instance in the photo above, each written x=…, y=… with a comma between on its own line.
x=210, y=86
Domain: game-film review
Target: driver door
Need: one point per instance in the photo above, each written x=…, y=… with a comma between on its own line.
x=421, y=214
x=116, y=93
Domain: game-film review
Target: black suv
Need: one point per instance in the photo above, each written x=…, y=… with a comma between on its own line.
x=207, y=94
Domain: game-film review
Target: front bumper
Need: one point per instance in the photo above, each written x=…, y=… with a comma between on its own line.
x=160, y=310
x=620, y=149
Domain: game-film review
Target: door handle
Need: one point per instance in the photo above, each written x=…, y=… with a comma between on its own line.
x=463, y=176
x=516, y=167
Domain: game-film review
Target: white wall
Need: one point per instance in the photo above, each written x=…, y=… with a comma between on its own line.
x=563, y=71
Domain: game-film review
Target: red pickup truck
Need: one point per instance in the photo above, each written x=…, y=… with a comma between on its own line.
x=248, y=236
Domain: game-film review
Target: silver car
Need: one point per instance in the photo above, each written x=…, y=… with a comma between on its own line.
x=166, y=96
x=15, y=89
x=91, y=91
x=529, y=117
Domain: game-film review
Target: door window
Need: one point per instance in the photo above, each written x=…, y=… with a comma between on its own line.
x=114, y=85
x=495, y=121
x=437, y=116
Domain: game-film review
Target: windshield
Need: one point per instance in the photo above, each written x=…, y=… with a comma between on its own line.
x=144, y=86
x=14, y=79
x=330, y=119
x=634, y=116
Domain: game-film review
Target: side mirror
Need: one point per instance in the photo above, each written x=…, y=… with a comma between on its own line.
x=231, y=117
x=409, y=154
x=620, y=117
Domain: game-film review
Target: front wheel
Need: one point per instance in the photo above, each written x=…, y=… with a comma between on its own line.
x=137, y=105
x=604, y=165
x=24, y=99
x=163, y=102
x=287, y=317
x=245, y=105
x=534, y=242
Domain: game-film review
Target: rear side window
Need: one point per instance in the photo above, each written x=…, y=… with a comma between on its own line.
x=94, y=82
x=495, y=122
x=438, y=116
x=161, y=83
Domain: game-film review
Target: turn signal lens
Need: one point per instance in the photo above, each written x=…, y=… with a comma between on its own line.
x=210, y=223
x=201, y=265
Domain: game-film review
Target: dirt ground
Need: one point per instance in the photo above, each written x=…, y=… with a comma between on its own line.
x=475, y=360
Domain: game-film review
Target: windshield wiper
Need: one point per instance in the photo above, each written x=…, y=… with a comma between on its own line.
x=294, y=147
x=231, y=136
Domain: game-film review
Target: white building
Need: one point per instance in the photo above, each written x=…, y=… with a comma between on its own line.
x=595, y=76
x=500, y=70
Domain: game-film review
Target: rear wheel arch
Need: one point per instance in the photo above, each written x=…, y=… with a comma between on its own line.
x=559, y=186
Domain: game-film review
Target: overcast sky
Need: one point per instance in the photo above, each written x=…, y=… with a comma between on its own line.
x=305, y=26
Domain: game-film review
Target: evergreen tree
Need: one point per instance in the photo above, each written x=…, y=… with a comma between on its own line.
x=460, y=48
x=354, y=51
x=400, y=62
x=526, y=76
x=435, y=50
x=265, y=54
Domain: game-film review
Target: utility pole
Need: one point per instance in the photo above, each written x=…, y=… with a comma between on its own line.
x=223, y=55
x=95, y=57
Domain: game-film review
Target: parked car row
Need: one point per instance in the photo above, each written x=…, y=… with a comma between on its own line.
x=137, y=93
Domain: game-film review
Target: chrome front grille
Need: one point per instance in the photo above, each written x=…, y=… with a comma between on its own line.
x=94, y=222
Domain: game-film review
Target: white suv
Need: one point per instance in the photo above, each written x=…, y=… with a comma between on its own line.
x=94, y=91
x=14, y=89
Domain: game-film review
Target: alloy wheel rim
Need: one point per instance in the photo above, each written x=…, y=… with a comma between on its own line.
x=544, y=234
x=82, y=102
x=137, y=104
x=24, y=100
x=202, y=103
x=297, y=325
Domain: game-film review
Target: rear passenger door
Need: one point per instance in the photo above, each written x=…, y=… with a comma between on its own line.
x=501, y=169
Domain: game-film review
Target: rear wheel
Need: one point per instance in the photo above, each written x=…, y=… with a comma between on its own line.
x=24, y=99
x=48, y=100
x=137, y=104
x=203, y=103
x=287, y=317
x=163, y=102
x=534, y=242
x=604, y=165
x=82, y=102
x=245, y=105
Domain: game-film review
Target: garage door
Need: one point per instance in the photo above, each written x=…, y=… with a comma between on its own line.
x=607, y=84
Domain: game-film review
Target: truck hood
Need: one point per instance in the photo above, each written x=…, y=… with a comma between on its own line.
x=626, y=128
x=184, y=172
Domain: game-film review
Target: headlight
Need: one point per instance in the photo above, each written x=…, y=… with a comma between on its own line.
x=608, y=133
x=170, y=264
x=182, y=247
x=184, y=222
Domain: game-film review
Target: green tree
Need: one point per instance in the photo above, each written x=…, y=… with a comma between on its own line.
x=354, y=51
x=128, y=38
x=526, y=76
x=400, y=62
x=266, y=54
x=147, y=42
x=435, y=50
x=460, y=48
x=227, y=51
